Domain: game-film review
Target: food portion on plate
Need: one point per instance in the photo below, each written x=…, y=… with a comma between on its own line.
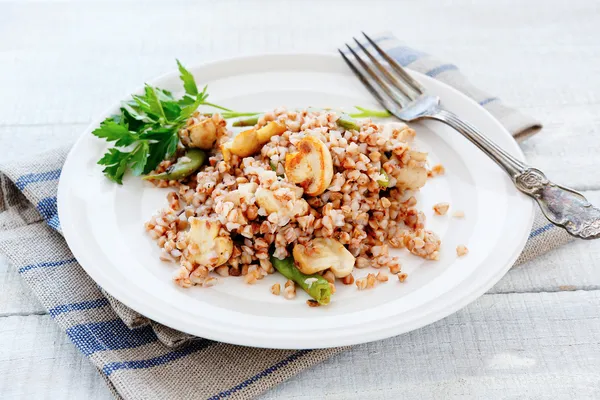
x=310, y=194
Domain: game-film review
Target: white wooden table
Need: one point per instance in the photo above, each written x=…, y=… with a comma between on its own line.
x=536, y=334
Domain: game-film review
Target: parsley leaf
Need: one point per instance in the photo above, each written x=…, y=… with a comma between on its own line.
x=204, y=95
x=164, y=95
x=159, y=134
x=189, y=83
x=143, y=107
x=154, y=103
x=112, y=131
x=172, y=110
x=133, y=111
x=186, y=100
x=189, y=109
x=116, y=163
x=135, y=121
x=161, y=150
x=139, y=158
x=111, y=157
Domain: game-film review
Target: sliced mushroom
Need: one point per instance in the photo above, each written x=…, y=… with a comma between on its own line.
x=418, y=155
x=249, y=142
x=247, y=190
x=245, y=143
x=214, y=250
x=271, y=129
x=411, y=177
x=300, y=208
x=322, y=254
x=311, y=166
x=242, y=194
x=202, y=134
x=267, y=200
x=226, y=151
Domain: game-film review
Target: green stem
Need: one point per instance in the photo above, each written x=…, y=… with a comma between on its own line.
x=216, y=106
x=367, y=113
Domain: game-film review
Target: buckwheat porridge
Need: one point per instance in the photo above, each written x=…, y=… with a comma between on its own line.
x=330, y=192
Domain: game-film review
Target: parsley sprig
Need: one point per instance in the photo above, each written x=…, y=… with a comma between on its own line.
x=145, y=132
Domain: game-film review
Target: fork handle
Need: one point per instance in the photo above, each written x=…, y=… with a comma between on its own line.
x=562, y=206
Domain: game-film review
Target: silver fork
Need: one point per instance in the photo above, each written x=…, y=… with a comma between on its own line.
x=407, y=99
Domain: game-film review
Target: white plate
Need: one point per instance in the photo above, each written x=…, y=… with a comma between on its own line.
x=103, y=222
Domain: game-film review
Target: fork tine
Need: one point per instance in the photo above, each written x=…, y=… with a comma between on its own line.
x=401, y=71
x=365, y=82
x=382, y=85
x=408, y=92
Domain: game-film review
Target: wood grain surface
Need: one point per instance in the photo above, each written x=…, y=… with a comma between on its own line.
x=534, y=335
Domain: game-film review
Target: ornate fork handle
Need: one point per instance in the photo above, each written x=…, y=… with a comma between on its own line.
x=562, y=206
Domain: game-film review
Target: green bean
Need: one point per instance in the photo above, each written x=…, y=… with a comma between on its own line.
x=246, y=122
x=317, y=287
x=347, y=123
x=385, y=181
x=182, y=168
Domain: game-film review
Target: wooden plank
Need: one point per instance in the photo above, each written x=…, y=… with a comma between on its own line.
x=15, y=296
x=567, y=148
x=37, y=138
x=37, y=361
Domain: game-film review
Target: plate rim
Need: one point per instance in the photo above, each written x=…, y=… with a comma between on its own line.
x=376, y=334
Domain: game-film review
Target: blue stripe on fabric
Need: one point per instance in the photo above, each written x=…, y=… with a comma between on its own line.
x=84, y=305
x=47, y=264
x=47, y=207
x=266, y=372
x=153, y=362
x=405, y=55
x=109, y=335
x=442, y=68
x=54, y=222
x=541, y=230
x=488, y=100
x=25, y=180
